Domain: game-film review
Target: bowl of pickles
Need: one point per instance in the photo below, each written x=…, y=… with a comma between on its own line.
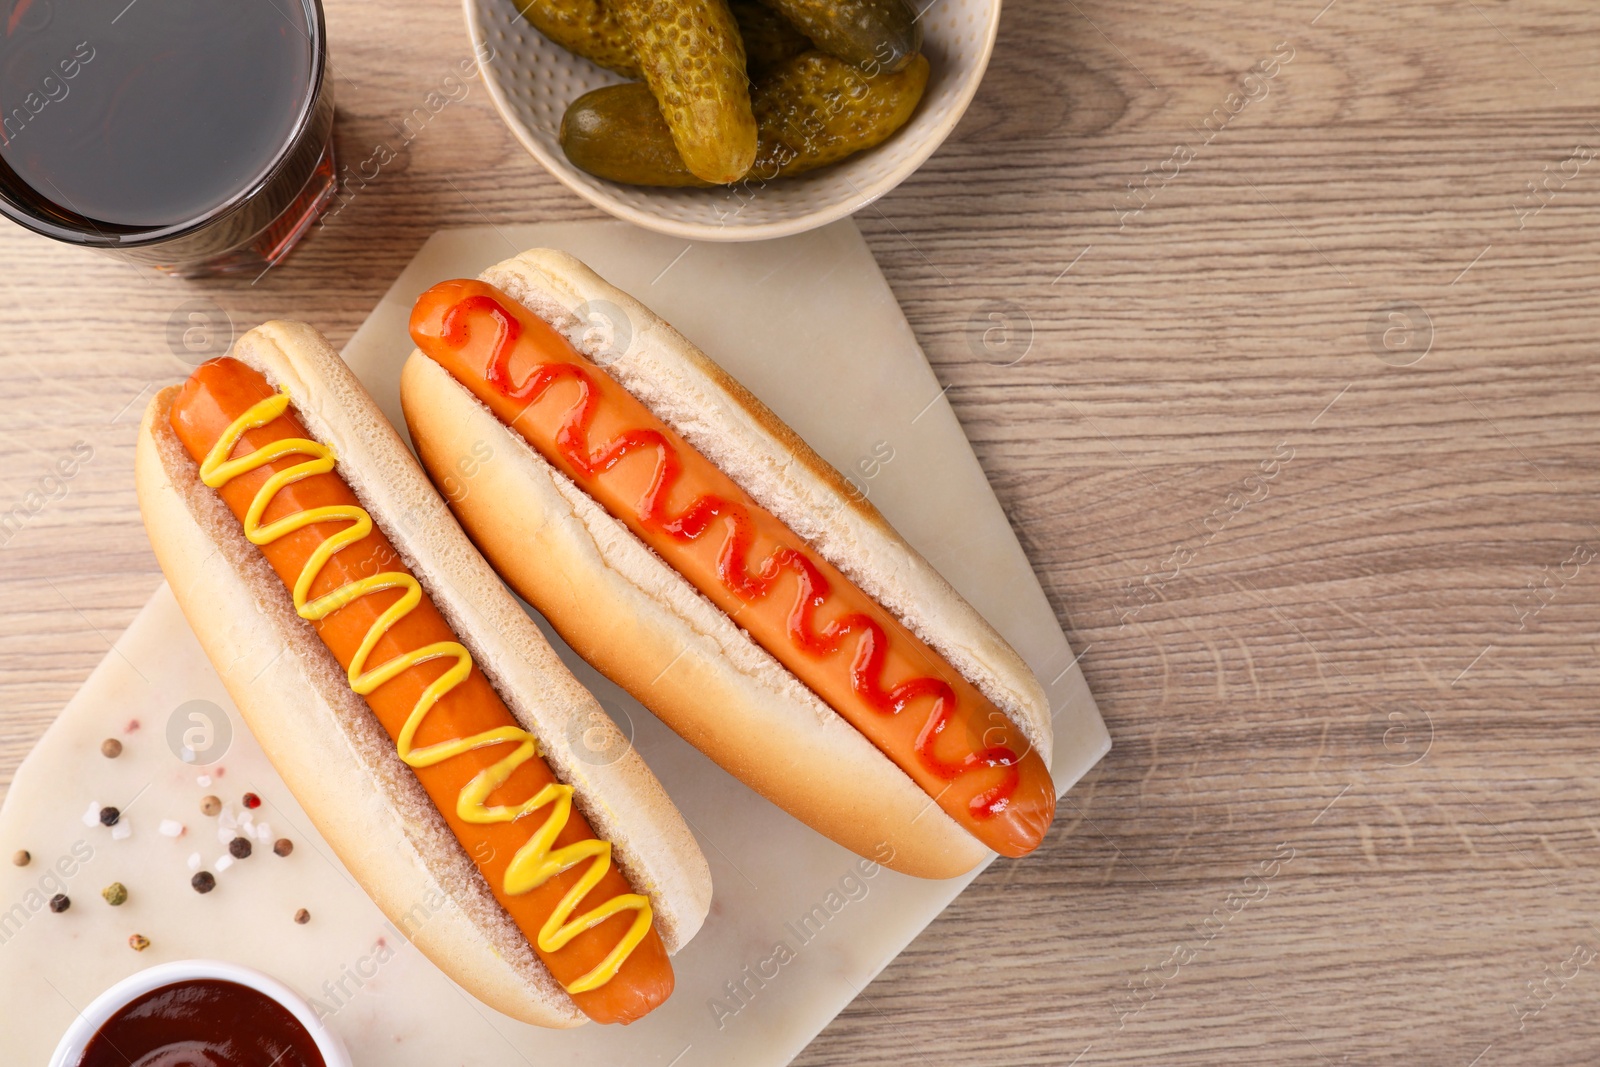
x=732, y=120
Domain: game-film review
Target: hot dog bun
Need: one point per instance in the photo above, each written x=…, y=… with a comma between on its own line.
x=326, y=744
x=644, y=625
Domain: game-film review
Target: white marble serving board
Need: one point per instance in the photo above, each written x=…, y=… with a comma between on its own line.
x=809, y=324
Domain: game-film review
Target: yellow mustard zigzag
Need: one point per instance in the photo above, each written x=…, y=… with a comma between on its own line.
x=535, y=862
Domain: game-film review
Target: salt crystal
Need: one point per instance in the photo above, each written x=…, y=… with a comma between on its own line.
x=194, y=861
x=171, y=828
x=122, y=831
x=228, y=820
x=92, y=816
x=223, y=864
x=225, y=835
x=264, y=832
x=204, y=781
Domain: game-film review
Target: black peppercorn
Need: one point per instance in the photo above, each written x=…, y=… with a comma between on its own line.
x=239, y=848
x=59, y=903
x=204, y=882
x=109, y=816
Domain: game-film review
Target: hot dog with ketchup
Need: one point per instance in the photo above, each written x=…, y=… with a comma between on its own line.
x=545, y=917
x=690, y=545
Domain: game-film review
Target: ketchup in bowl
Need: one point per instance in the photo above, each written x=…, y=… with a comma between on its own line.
x=202, y=1023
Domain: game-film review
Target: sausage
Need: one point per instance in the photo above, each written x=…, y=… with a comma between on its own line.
x=853, y=653
x=217, y=394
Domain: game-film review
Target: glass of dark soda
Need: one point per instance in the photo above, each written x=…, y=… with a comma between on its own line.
x=191, y=136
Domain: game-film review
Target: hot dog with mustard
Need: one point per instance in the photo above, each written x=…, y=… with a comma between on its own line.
x=690, y=545
x=525, y=846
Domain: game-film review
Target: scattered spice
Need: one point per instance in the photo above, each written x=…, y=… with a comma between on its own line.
x=138, y=942
x=111, y=748
x=282, y=846
x=204, y=882
x=239, y=848
x=116, y=894
x=109, y=816
x=60, y=903
x=302, y=916
x=251, y=800
x=210, y=805
x=22, y=857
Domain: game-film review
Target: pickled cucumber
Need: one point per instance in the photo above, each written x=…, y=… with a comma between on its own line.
x=618, y=133
x=816, y=109
x=692, y=58
x=875, y=35
x=813, y=110
x=769, y=39
x=586, y=27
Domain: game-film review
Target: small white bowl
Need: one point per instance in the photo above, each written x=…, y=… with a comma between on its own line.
x=113, y=1000
x=532, y=80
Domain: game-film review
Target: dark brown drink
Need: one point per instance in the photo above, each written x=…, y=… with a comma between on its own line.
x=192, y=135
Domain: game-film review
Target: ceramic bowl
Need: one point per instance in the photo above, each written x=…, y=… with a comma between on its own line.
x=532, y=80
x=107, y=1004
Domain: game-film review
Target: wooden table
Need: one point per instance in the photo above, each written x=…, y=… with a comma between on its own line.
x=1299, y=429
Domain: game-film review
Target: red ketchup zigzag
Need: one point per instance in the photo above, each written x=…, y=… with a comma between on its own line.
x=866, y=670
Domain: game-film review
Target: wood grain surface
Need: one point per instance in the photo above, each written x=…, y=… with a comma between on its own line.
x=1287, y=381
